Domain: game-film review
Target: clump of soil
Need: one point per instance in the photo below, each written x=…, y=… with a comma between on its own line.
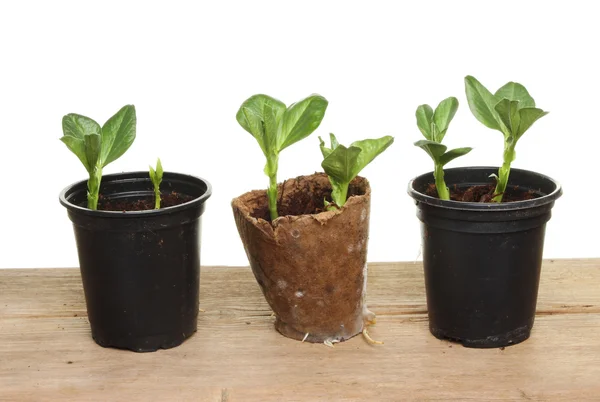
x=303, y=195
x=127, y=204
x=483, y=193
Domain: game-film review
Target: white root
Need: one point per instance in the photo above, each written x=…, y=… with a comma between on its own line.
x=372, y=341
x=330, y=342
x=202, y=310
x=305, y=336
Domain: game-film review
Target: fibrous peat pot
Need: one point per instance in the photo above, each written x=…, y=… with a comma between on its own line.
x=140, y=269
x=310, y=265
x=482, y=261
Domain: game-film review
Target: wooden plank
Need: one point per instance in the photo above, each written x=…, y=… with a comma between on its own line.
x=46, y=352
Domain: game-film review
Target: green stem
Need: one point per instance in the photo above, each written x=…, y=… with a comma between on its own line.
x=156, y=198
x=440, y=183
x=271, y=171
x=339, y=195
x=93, y=186
x=504, y=171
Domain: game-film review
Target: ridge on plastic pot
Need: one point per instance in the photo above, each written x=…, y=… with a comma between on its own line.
x=482, y=261
x=140, y=269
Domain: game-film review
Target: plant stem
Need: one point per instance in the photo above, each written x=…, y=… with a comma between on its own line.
x=271, y=171
x=440, y=183
x=339, y=195
x=504, y=171
x=156, y=198
x=93, y=186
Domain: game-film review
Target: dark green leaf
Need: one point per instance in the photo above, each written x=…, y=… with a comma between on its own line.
x=453, y=154
x=77, y=126
x=341, y=162
x=370, y=148
x=482, y=102
x=433, y=149
x=508, y=111
x=424, y=116
x=443, y=115
x=528, y=116
x=118, y=133
x=514, y=91
x=301, y=119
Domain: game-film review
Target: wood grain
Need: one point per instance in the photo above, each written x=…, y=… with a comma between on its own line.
x=46, y=351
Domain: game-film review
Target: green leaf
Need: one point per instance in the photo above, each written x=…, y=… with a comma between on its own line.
x=424, y=116
x=528, y=116
x=453, y=154
x=75, y=129
x=482, y=102
x=433, y=149
x=118, y=133
x=159, y=170
x=93, y=148
x=443, y=115
x=341, y=162
x=261, y=116
x=334, y=144
x=514, y=91
x=301, y=119
x=370, y=148
x=508, y=111
x=77, y=146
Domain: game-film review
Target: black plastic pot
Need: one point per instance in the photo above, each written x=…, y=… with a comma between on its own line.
x=482, y=261
x=140, y=270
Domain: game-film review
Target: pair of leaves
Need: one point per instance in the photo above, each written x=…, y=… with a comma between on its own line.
x=434, y=125
x=97, y=146
x=511, y=110
x=156, y=175
x=342, y=164
x=275, y=126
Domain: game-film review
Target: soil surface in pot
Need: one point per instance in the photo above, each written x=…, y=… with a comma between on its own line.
x=123, y=204
x=484, y=193
x=301, y=196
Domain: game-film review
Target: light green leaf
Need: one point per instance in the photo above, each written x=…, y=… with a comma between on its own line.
x=424, y=116
x=508, y=111
x=514, y=91
x=334, y=144
x=77, y=146
x=261, y=116
x=370, y=148
x=443, y=115
x=482, y=102
x=93, y=149
x=301, y=119
x=159, y=170
x=453, y=154
x=118, y=133
x=433, y=149
x=528, y=116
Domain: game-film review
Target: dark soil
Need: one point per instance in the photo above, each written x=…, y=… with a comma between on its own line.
x=300, y=196
x=484, y=193
x=143, y=204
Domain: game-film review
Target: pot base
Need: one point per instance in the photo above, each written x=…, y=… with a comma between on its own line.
x=142, y=344
x=495, y=341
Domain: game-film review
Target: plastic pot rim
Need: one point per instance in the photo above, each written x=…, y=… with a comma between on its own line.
x=135, y=214
x=480, y=206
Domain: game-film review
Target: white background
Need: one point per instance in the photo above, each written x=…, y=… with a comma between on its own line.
x=188, y=66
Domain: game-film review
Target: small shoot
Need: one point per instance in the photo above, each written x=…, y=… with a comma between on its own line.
x=276, y=127
x=433, y=125
x=511, y=110
x=156, y=176
x=343, y=164
x=97, y=146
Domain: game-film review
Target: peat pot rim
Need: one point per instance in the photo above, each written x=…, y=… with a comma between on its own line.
x=131, y=177
x=240, y=202
x=553, y=192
